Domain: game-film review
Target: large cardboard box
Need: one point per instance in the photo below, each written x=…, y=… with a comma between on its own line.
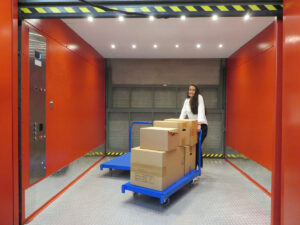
x=156, y=169
x=189, y=158
x=180, y=125
x=159, y=138
x=192, y=130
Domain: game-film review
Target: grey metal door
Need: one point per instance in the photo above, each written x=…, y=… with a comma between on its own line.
x=37, y=106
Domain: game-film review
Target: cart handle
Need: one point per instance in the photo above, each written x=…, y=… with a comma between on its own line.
x=199, y=151
x=130, y=130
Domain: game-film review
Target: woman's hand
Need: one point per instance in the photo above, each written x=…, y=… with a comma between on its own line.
x=199, y=127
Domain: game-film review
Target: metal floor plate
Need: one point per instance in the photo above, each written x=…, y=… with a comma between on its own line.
x=221, y=196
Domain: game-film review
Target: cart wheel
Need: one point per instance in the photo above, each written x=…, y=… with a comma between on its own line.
x=191, y=183
x=166, y=202
x=135, y=194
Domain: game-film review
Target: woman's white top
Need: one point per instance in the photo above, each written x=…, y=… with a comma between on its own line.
x=186, y=111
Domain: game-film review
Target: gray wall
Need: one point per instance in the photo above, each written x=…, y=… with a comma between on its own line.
x=170, y=71
x=136, y=93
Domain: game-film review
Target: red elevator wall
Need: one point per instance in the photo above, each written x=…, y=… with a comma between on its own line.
x=251, y=100
x=75, y=81
x=291, y=113
x=9, y=113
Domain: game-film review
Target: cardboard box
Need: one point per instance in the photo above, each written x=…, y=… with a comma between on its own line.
x=156, y=169
x=159, y=138
x=192, y=130
x=180, y=125
x=189, y=158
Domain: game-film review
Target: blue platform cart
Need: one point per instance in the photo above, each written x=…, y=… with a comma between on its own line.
x=164, y=195
x=122, y=162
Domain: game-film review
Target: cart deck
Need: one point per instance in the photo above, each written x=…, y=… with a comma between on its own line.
x=122, y=162
x=165, y=194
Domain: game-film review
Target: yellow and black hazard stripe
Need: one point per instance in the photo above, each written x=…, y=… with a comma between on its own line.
x=114, y=153
x=193, y=10
x=212, y=155
x=94, y=154
x=235, y=156
x=204, y=155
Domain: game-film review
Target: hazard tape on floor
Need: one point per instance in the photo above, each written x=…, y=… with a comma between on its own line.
x=212, y=156
x=107, y=154
x=236, y=156
x=122, y=153
x=156, y=10
x=94, y=154
x=204, y=155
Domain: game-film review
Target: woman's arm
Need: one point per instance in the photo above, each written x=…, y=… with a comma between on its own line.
x=201, y=111
x=183, y=113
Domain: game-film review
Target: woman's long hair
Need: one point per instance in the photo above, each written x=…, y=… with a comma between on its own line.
x=194, y=100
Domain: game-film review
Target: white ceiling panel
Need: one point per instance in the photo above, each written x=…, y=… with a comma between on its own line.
x=231, y=32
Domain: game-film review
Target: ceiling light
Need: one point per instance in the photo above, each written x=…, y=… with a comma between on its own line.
x=220, y=45
x=151, y=18
x=177, y=46
x=121, y=18
x=133, y=46
x=247, y=17
x=215, y=17
x=198, y=46
x=90, y=18
x=183, y=17
x=113, y=46
x=155, y=46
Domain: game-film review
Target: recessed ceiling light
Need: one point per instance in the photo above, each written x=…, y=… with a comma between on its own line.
x=121, y=18
x=151, y=18
x=198, y=46
x=247, y=17
x=220, y=45
x=90, y=18
x=183, y=17
x=133, y=46
x=155, y=46
x=215, y=17
x=177, y=46
x=113, y=46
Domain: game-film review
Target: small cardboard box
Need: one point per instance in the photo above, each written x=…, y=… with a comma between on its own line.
x=181, y=126
x=192, y=130
x=159, y=138
x=189, y=158
x=156, y=169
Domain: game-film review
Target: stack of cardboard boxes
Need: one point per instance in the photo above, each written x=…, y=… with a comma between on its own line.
x=166, y=153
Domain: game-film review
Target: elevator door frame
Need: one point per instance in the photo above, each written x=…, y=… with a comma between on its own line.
x=55, y=9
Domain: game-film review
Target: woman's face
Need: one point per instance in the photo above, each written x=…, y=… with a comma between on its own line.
x=192, y=91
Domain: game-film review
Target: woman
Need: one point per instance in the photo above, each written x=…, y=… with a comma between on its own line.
x=194, y=108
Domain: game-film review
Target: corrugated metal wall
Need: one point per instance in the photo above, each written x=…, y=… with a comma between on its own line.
x=155, y=89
